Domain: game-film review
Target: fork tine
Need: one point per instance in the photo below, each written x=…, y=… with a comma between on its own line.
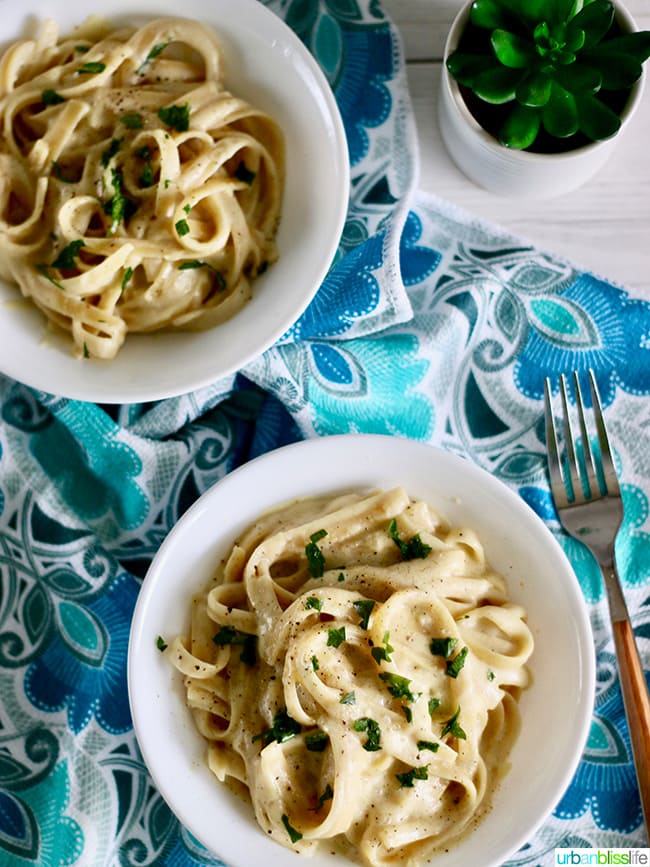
x=609, y=472
x=558, y=488
x=591, y=477
x=569, y=444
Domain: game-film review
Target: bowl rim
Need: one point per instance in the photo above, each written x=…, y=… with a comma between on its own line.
x=310, y=230
x=366, y=449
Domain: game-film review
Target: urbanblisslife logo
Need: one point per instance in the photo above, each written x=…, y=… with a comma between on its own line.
x=602, y=856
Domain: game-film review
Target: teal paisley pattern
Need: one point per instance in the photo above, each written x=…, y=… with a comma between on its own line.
x=430, y=325
x=36, y=825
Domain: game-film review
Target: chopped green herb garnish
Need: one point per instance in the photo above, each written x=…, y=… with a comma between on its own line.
x=407, y=779
x=187, y=208
x=314, y=602
x=243, y=174
x=335, y=637
x=398, y=686
x=408, y=713
x=434, y=746
x=249, y=652
x=317, y=741
x=227, y=635
x=491, y=675
x=443, y=646
x=58, y=173
x=218, y=276
x=110, y=151
x=176, y=116
x=433, y=704
x=414, y=549
x=341, y=577
x=291, y=831
x=455, y=665
x=373, y=732
x=86, y=351
x=364, y=607
x=147, y=177
x=132, y=120
x=51, y=97
x=144, y=153
x=382, y=654
x=82, y=49
x=91, y=68
x=191, y=264
x=118, y=207
x=315, y=557
x=182, y=227
x=126, y=277
x=155, y=51
x=451, y=727
x=348, y=698
x=283, y=729
x=65, y=261
x=161, y=644
x=42, y=269
x=314, y=663
x=328, y=794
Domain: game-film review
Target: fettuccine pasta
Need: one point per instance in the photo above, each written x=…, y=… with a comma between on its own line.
x=136, y=192
x=355, y=667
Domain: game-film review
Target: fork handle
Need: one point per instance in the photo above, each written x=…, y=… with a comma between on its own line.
x=637, y=707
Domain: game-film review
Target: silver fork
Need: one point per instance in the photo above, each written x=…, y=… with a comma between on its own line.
x=588, y=500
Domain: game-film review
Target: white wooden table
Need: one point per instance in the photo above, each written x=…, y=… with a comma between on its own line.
x=603, y=227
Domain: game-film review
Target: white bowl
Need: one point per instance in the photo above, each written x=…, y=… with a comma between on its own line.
x=518, y=173
x=267, y=64
x=517, y=544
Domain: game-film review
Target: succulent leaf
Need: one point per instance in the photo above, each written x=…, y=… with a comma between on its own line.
x=560, y=114
x=466, y=67
x=579, y=78
x=520, y=128
x=534, y=10
x=535, y=90
x=559, y=11
x=636, y=45
x=512, y=50
x=490, y=14
x=498, y=85
x=575, y=38
x=595, y=20
x=542, y=33
x=525, y=12
x=619, y=70
x=597, y=121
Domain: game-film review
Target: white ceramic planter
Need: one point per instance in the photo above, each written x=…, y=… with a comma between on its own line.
x=514, y=173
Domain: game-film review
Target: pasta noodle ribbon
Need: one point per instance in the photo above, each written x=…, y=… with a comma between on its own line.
x=136, y=192
x=355, y=667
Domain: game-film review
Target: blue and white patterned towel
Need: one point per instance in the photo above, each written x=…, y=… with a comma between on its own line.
x=430, y=325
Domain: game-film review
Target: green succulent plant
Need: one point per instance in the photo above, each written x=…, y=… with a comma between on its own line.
x=548, y=67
